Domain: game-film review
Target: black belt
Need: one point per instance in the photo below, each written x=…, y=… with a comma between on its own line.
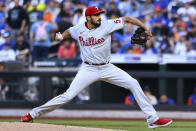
x=86, y=62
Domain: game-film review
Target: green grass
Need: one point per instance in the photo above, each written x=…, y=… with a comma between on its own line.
x=123, y=125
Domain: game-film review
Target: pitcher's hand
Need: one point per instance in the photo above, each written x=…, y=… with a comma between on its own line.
x=59, y=37
x=148, y=32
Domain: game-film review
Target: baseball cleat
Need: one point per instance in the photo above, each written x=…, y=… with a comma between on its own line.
x=27, y=118
x=160, y=122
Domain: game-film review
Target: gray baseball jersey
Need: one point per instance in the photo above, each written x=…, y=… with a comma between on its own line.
x=95, y=44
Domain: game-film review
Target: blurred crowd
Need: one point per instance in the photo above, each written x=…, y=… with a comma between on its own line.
x=163, y=99
x=28, y=27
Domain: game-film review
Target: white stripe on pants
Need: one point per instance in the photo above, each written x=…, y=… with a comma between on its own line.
x=89, y=74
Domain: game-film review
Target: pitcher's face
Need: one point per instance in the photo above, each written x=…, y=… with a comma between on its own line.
x=95, y=20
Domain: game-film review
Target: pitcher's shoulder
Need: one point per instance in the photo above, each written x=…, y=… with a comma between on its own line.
x=79, y=26
x=105, y=21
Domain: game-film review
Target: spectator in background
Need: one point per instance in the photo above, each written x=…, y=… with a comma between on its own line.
x=40, y=37
x=179, y=30
x=192, y=32
x=16, y=20
x=125, y=6
x=115, y=46
x=31, y=94
x=4, y=89
x=80, y=5
x=53, y=9
x=192, y=98
x=2, y=16
x=7, y=54
x=150, y=97
x=157, y=22
x=129, y=100
x=11, y=3
x=78, y=18
x=172, y=21
x=145, y=20
x=164, y=100
x=7, y=37
x=134, y=49
x=147, y=8
x=68, y=8
x=64, y=22
x=134, y=11
x=163, y=4
x=167, y=45
x=149, y=48
x=126, y=38
x=189, y=50
x=187, y=9
x=180, y=47
x=2, y=40
x=66, y=50
x=41, y=6
x=21, y=47
x=33, y=13
x=113, y=12
x=94, y=3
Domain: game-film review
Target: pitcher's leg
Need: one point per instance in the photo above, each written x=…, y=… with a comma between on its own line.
x=82, y=80
x=116, y=76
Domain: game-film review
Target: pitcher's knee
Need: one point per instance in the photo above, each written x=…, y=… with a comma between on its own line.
x=133, y=84
x=67, y=97
x=136, y=83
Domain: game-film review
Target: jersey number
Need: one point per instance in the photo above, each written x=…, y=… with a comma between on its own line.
x=117, y=21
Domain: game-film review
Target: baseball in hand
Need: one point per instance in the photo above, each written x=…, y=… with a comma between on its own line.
x=59, y=36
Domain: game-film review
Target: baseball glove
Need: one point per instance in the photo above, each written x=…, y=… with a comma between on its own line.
x=139, y=37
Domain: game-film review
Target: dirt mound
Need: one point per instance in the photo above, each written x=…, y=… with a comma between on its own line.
x=19, y=126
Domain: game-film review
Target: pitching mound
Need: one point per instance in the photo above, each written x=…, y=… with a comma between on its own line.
x=19, y=126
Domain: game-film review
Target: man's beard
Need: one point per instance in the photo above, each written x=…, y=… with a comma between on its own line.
x=95, y=24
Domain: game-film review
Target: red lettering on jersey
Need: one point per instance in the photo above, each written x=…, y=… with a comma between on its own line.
x=91, y=41
x=80, y=38
x=99, y=41
x=117, y=21
x=83, y=42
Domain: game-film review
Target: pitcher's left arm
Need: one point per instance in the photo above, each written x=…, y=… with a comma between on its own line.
x=134, y=21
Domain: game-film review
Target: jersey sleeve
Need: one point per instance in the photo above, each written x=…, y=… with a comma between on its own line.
x=113, y=25
x=73, y=31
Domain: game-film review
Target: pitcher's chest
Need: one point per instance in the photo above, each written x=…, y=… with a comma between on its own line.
x=91, y=38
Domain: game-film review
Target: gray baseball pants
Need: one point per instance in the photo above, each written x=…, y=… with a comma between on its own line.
x=88, y=74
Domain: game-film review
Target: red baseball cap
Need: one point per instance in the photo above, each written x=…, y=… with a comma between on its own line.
x=92, y=10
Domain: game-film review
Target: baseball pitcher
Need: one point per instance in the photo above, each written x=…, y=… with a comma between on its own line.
x=94, y=39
